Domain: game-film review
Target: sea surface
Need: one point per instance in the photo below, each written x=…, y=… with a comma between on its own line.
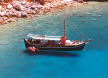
x=92, y=62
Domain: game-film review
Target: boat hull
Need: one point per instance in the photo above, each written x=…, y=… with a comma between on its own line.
x=65, y=48
x=80, y=47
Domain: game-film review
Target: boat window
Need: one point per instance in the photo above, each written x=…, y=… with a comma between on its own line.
x=29, y=39
x=37, y=41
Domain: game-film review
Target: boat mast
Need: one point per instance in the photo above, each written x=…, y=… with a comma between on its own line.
x=64, y=27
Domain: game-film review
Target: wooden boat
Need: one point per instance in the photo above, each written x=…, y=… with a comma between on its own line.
x=37, y=42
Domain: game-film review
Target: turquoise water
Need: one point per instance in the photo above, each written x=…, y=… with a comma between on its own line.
x=91, y=62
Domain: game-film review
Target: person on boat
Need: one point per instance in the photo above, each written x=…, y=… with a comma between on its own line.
x=63, y=40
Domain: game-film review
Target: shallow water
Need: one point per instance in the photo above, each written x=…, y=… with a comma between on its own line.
x=91, y=62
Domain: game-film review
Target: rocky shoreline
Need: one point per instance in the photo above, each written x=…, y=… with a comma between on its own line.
x=23, y=9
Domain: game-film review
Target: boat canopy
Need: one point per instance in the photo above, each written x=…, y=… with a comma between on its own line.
x=44, y=37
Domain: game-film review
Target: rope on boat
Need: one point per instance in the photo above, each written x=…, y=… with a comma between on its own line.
x=82, y=35
x=53, y=32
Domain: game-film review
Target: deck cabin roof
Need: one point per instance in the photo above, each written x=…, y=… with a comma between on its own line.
x=44, y=37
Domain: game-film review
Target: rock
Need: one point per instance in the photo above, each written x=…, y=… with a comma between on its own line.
x=26, y=5
x=17, y=7
x=15, y=2
x=33, y=12
x=5, y=18
x=10, y=13
x=29, y=11
x=39, y=7
x=0, y=7
x=23, y=2
x=1, y=20
x=67, y=0
x=2, y=14
x=33, y=7
x=23, y=8
x=10, y=20
x=46, y=10
x=7, y=14
x=9, y=6
x=12, y=10
x=14, y=14
x=23, y=14
x=80, y=1
x=31, y=4
x=42, y=2
x=18, y=14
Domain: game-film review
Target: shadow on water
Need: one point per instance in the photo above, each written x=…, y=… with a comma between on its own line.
x=52, y=53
